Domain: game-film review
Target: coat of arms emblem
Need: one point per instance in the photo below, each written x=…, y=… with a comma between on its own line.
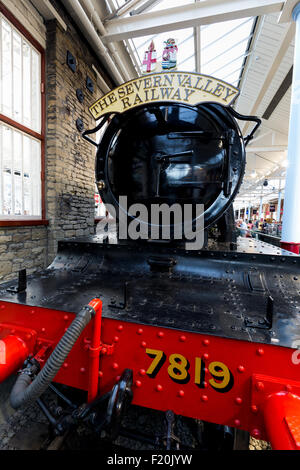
x=169, y=57
x=150, y=57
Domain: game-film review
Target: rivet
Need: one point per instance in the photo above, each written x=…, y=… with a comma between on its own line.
x=2, y=307
x=205, y=370
x=120, y=327
x=115, y=366
x=82, y=370
x=28, y=336
x=255, y=433
x=181, y=393
x=13, y=332
x=260, y=352
x=31, y=311
x=100, y=373
x=241, y=369
x=254, y=409
x=140, y=331
x=116, y=339
x=66, y=318
x=143, y=344
x=65, y=365
x=104, y=350
x=138, y=383
x=205, y=384
x=182, y=338
x=259, y=386
x=206, y=356
x=160, y=334
x=43, y=330
x=238, y=400
x=118, y=378
x=237, y=422
x=206, y=342
x=142, y=372
x=288, y=388
x=159, y=388
x=204, y=397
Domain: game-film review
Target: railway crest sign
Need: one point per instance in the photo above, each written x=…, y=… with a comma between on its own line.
x=169, y=87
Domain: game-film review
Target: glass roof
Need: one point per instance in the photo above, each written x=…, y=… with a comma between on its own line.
x=222, y=47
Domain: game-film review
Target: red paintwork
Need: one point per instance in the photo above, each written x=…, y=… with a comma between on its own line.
x=259, y=370
x=94, y=351
x=282, y=420
x=13, y=352
x=293, y=247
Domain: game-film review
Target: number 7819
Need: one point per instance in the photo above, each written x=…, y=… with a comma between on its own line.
x=179, y=370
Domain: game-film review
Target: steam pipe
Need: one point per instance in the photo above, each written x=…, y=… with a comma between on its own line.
x=89, y=7
x=82, y=19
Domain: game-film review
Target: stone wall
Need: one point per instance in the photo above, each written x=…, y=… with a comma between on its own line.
x=69, y=160
x=20, y=248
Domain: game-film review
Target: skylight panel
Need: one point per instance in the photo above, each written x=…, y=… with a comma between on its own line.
x=224, y=48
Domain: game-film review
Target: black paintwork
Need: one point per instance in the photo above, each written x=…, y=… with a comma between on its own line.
x=229, y=294
x=170, y=154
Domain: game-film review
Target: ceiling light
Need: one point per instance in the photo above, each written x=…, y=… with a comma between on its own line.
x=253, y=174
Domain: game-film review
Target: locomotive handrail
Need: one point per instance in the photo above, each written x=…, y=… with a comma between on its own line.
x=241, y=117
x=93, y=131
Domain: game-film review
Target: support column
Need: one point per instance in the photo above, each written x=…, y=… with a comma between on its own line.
x=279, y=202
x=261, y=208
x=290, y=239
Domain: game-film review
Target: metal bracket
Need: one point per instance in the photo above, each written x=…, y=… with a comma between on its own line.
x=90, y=84
x=107, y=349
x=22, y=283
x=71, y=61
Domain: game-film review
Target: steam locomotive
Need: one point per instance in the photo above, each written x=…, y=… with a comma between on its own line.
x=208, y=333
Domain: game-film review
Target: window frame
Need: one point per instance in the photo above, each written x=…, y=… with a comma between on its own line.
x=16, y=125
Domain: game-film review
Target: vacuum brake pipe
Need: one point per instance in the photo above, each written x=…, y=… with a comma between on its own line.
x=26, y=390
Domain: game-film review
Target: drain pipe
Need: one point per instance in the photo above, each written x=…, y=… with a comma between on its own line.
x=94, y=17
x=81, y=18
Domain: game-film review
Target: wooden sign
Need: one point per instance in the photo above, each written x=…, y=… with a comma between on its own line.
x=168, y=87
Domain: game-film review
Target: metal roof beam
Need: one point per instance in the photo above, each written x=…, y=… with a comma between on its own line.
x=289, y=35
x=185, y=16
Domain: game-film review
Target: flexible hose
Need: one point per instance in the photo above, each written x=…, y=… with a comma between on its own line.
x=26, y=391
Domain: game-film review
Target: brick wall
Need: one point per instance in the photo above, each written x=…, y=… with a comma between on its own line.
x=69, y=160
